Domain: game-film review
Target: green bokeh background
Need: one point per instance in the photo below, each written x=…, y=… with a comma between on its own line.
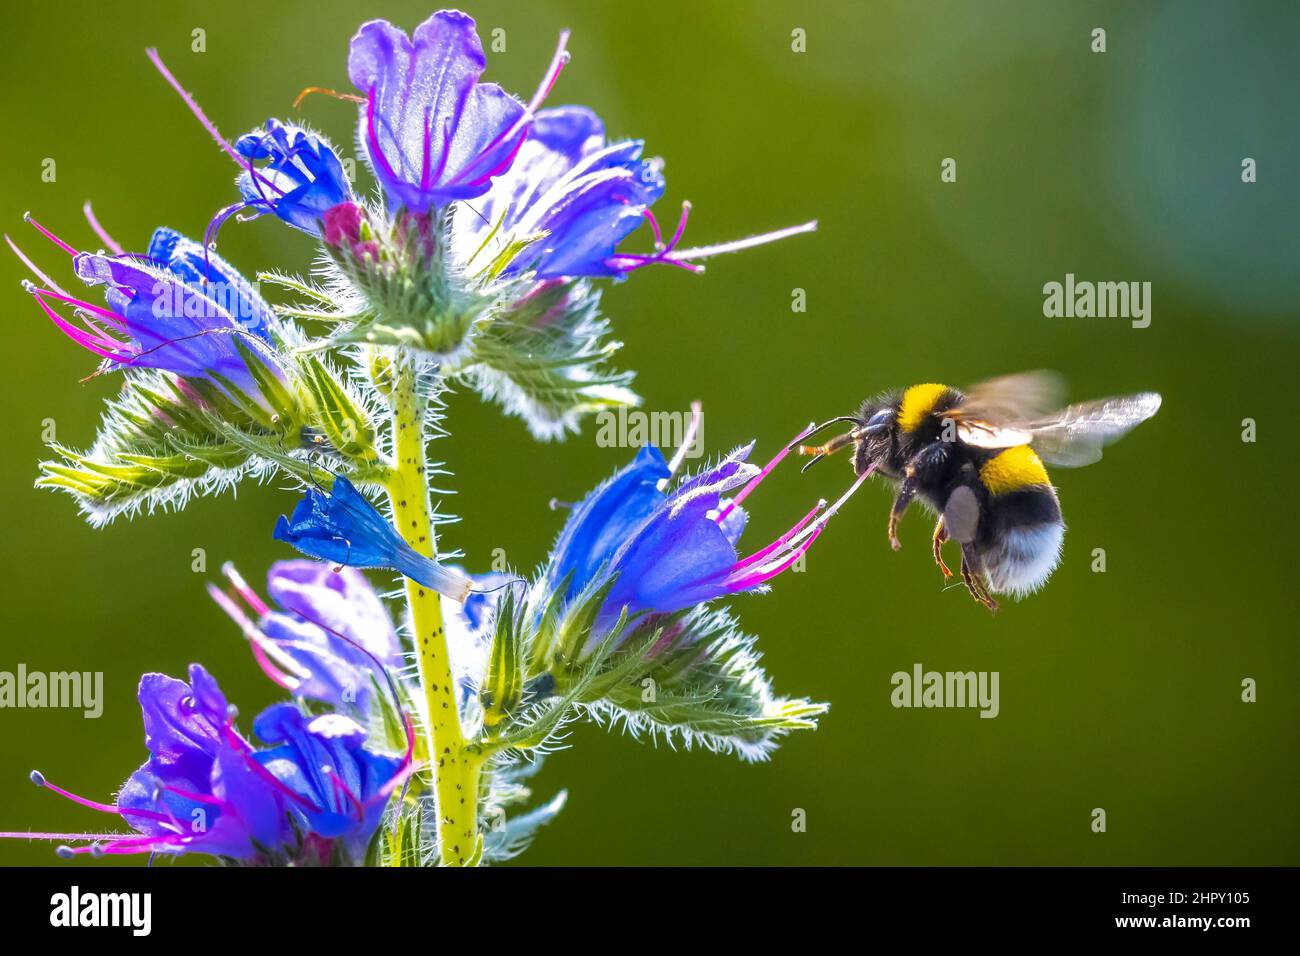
x=1118, y=690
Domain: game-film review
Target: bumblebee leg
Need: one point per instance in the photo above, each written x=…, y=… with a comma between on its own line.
x=973, y=579
x=906, y=492
x=940, y=536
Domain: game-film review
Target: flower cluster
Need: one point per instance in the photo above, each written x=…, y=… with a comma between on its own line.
x=477, y=260
x=314, y=794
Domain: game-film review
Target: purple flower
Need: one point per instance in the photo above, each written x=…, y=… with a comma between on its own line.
x=301, y=180
x=581, y=196
x=345, y=528
x=331, y=639
x=432, y=131
x=178, y=308
x=578, y=198
x=674, y=549
x=317, y=794
x=198, y=791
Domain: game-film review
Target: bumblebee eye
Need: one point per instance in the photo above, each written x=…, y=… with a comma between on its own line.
x=879, y=421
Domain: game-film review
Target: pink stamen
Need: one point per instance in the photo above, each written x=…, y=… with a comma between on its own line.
x=37, y=835
x=39, y=779
x=775, y=568
x=681, y=226
x=628, y=262
x=516, y=129
x=784, y=539
x=101, y=345
x=771, y=570
x=193, y=106
x=214, y=226
x=32, y=267
x=654, y=228
x=84, y=306
x=552, y=74
x=558, y=62
x=254, y=638
x=243, y=590
x=27, y=217
x=798, y=540
x=767, y=470
x=100, y=231
x=499, y=168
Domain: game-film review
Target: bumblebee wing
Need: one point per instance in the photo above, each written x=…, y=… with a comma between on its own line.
x=993, y=413
x=1076, y=435
x=984, y=434
x=1023, y=397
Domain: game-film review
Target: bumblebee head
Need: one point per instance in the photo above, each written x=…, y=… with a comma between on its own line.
x=877, y=436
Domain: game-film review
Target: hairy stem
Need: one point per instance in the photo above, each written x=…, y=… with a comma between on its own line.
x=454, y=767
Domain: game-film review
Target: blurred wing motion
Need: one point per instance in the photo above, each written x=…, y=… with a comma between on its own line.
x=1075, y=436
x=1025, y=409
x=995, y=411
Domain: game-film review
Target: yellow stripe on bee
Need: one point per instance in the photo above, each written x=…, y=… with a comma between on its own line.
x=1012, y=470
x=918, y=401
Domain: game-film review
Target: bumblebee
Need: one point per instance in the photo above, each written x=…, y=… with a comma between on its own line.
x=976, y=460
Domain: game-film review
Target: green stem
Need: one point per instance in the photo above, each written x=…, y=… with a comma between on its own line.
x=454, y=766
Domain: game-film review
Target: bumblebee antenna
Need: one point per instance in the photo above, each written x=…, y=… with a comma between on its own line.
x=831, y=447
x=814, y=429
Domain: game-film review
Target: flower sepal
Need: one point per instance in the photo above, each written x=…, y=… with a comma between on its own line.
x=160, y=441
x=340, y=422
x=410, y=294
x=502, y=689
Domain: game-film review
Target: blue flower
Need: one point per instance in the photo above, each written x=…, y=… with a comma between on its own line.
x=179, y=308
x=345, y=528
x=342, y=786
x=606, y=517
x=433, y=133
x=302, y=180
x=201, y=267
x=672, y=549
x=581, y=196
